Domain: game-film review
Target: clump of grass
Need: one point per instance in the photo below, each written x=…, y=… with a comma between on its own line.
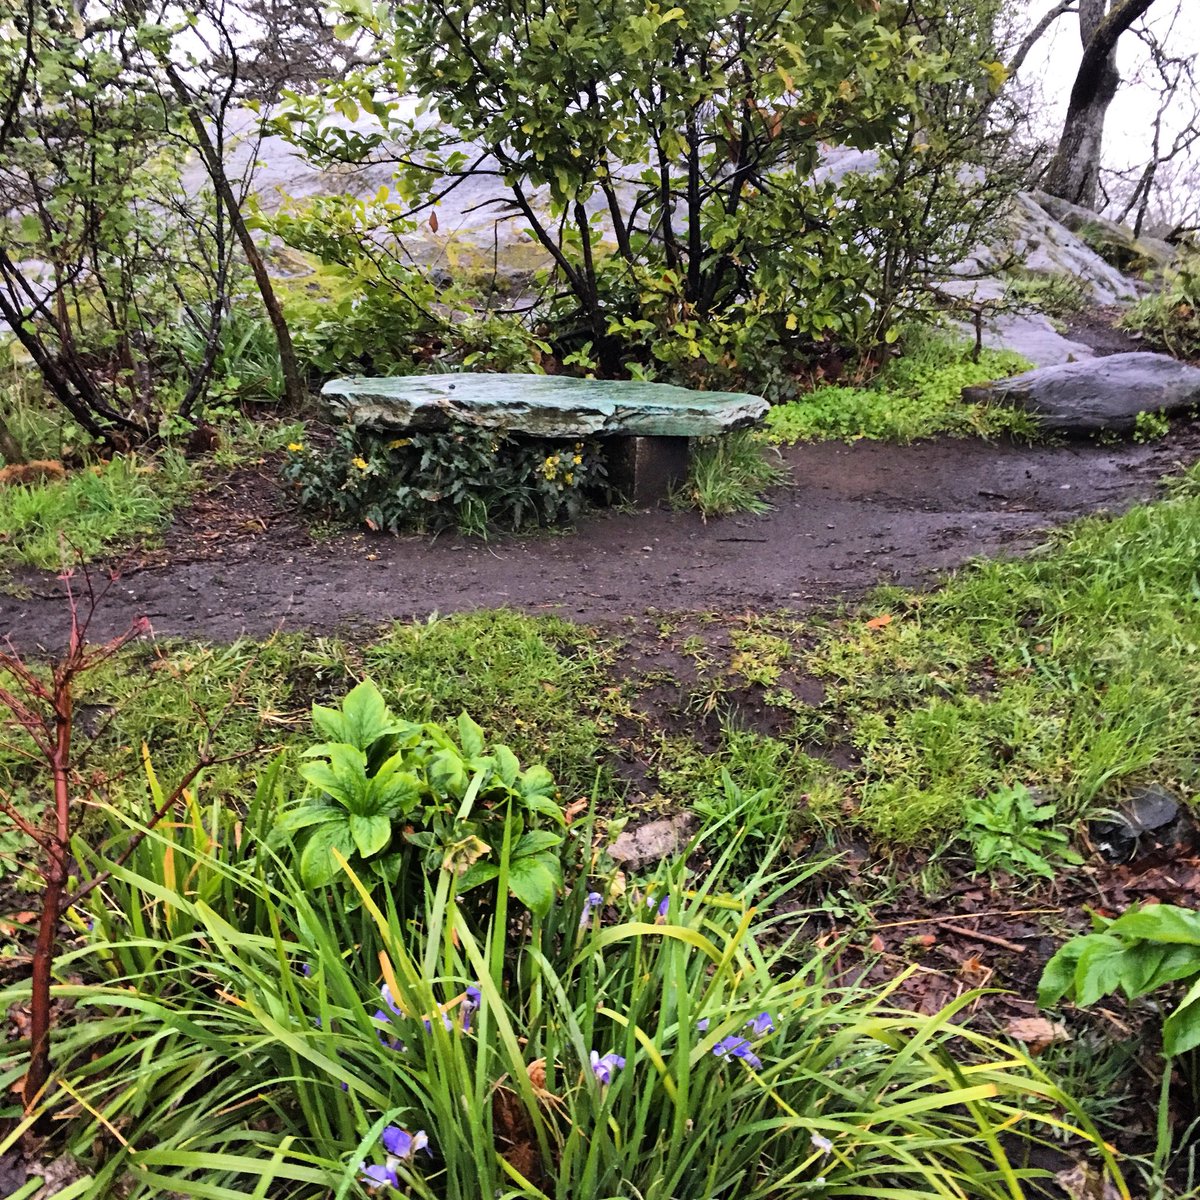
x=1074, y=671
x=1170, y=319
x=914, y=396
x=95, y=511
x=729, y=474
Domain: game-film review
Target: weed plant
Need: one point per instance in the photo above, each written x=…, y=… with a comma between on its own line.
x=729, y=474
x=1170, y=319
x=91, y=512
x=916, y=395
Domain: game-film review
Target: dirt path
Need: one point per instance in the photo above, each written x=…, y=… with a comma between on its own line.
x=240, y=562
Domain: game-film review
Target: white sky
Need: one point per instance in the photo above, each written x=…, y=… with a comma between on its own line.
x=1051, y=68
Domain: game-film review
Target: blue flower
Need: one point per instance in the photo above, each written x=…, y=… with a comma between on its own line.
x=377, y=1175
x=604, y=1068
x=663, y=905
x=737, y=1047
x=591, y=902
x=702, y=1025
x=447, y=1023
x=402, y=1144
x=470, y=1003
x=762, y=1024
x=383, y=1025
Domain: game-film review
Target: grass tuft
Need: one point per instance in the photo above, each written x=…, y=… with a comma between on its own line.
x=729, y=474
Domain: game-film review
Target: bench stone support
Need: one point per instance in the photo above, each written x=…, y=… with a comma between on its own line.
x=645, y=469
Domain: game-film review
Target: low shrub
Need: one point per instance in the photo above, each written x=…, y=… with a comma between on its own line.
x=235, y=1031
x=1170, y=319
x=916, y=395
x=466, y=478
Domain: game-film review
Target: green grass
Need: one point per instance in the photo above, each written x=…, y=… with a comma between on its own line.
x=914, y=396
x=729, y=474
x=92, y=512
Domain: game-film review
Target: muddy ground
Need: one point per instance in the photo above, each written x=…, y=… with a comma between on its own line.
x=239, y=560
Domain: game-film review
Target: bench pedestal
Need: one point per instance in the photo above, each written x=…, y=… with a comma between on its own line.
x=645, y=469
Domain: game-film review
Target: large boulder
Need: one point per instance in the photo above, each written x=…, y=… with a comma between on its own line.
x=1098, y=394
x=1115, y=243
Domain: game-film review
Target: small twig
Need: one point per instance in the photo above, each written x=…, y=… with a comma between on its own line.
x=1018, y=912
x=976, y=936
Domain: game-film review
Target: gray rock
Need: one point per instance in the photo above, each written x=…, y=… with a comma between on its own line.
x=1098, y=394
x=543, y=405
x=651, y=843
x=1032, y=335
x=1115, y=243
x=1145, y=817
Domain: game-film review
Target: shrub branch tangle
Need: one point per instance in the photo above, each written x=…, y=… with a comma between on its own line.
x=690, y=220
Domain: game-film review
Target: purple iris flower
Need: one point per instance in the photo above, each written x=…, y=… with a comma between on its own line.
x=383, y=1024
x=471, y=1002
x=446, y=1023
x=762, y=1024
x=604, y=1068
x=702, y=1025
x=737, y=1047
x=664, y=904
x=591, y=902
x=385, y=993
x=403, y=1144
x=306, y=970
x=377, y=1175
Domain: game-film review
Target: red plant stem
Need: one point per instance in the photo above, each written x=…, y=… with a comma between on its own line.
x=55, y=876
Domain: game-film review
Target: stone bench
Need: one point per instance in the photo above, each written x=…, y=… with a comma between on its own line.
x=649, y=424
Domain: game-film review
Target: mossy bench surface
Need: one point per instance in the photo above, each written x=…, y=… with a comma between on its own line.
x=541, y=405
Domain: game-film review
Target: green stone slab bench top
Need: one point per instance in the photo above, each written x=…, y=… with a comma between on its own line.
x=541, y=405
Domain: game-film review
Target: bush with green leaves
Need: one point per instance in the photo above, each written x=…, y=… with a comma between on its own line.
x=388, y=796
x=1170, y=319
x=467, y=478
x=247, y=1034
x=689, y=222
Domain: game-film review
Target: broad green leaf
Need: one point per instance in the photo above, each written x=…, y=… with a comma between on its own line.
x=371, y=833
x=317, y=864
x=470, y=736
x=535, y=842
x=534, y=882
x=362, y=720
x=1160, y=923
x=1181, y=1029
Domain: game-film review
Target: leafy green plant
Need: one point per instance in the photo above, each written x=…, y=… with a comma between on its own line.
x=1142, y=951
x=1057, y=295
x=472, y=479
x=1009, y=830
x=397, y=800
x=916, y=395
x=1170, y=319
x=670, y=1039
x=729, y=474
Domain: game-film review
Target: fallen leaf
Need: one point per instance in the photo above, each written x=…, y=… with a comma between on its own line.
x=877, y=944
x=880, y=621
x=1036, y=1032
x=974, y=971
x=433, y=222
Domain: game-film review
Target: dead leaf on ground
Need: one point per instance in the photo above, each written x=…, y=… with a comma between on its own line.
x=880, y=621
x=1082, y=1183
x=1036, y=1032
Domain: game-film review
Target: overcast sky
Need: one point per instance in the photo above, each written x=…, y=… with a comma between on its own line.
x=1052, y=66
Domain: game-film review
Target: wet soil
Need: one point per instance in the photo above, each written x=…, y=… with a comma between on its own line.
x=241, y=561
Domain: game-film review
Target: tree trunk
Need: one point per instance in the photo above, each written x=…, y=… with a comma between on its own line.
x=1075, y=170
x=292, y=384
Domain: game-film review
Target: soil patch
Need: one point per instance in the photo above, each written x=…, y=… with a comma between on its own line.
x=239, y=561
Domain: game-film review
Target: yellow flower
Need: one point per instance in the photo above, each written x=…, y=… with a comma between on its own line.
x=577, y=459
x=569, y=478
x=360, y=463
x=398, y=442
x=295, y=447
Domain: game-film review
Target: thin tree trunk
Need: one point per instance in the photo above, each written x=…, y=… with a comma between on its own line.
x=293, y=385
